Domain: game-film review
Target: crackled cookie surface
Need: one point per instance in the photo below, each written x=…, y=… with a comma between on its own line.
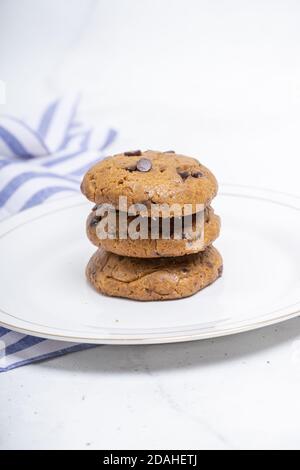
x=153, y=248
x=150, y=177
x=153, y=279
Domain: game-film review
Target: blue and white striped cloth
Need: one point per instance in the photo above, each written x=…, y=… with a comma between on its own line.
x=39, y=163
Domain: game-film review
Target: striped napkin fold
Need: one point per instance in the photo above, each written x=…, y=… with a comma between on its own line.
x=38, y=163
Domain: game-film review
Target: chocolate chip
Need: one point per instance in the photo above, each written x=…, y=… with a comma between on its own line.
x=185, y=270
x=95, y=207
x=144, y=164
x=131, y=167
x=184, y=174
x=169, y=151
x=220, y=271
x=197, y=174
x=95, y=221
x=133, y=153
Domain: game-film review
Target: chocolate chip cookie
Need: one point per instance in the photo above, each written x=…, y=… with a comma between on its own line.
x=153, y=279
x=191, y=240
x=150, y=177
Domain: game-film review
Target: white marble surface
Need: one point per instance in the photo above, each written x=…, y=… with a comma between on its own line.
x=218, y=79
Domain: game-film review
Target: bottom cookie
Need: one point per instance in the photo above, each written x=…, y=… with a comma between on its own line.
x=153, y=279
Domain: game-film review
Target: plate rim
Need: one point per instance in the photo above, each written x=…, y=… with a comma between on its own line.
x=272, y=196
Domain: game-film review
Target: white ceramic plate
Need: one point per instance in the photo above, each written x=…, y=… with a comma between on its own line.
x=43, y=253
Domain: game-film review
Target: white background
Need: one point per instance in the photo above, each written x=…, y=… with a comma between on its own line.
x=219, y=80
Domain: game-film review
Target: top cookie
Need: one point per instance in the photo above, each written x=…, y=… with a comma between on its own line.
x=150, y=177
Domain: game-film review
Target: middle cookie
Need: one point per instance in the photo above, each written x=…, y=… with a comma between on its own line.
x=191, y=241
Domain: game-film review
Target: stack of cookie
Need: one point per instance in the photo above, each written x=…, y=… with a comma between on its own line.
x=152, y=267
